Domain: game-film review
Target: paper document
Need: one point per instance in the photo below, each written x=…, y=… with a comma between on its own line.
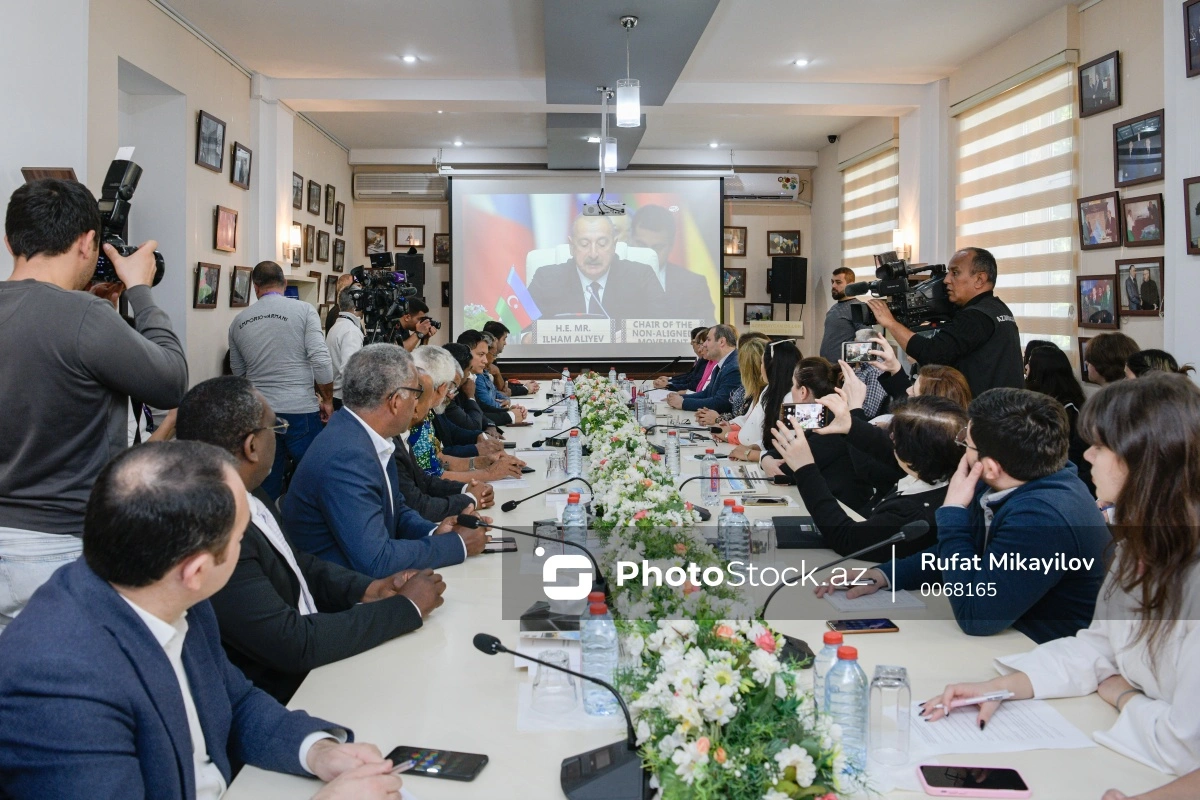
x=880, y=601
x=1016, y=725
x=658, y=395
x=510, y=483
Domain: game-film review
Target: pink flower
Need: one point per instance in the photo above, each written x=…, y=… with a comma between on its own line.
x=641, y=514
x=723, y=632
x=603, y=461
x=647, y=482
x=688, y=505
x=830, y=796
x=655, y=457
x=766, y=641
x=690, y=588
x=680, y=548
x=702, y=745
x=720, y=757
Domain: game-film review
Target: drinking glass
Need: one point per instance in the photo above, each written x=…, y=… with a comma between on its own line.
x=553, y=691
x=891, y=713
x=556, y=386
x=762, y=540
x=556, y=466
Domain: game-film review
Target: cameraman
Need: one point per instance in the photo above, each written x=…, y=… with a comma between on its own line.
x=416, y=319
x=70, y=364
x=981, y=341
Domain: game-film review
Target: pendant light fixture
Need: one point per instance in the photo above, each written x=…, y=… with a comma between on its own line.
x=629, y=91
x=608, y=144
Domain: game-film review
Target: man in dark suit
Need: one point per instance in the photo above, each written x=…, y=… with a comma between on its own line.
x=345, y=506
x=688, y=381
x=113, y=682
x=688, y=294
x=595, y=282
x=721, y=348
x=286, y=612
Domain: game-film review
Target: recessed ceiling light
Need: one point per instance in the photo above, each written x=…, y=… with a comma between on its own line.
x=458, y=142
x=593, y=140
x=714, y=145
x=801, y=62
x=410, y=59
x=439, y=111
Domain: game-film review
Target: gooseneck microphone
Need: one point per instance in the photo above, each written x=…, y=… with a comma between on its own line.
x=778, y=480
x=541, y=442
x=541, y=411
x=663, y=369
x=509, y=505
x=598, y=582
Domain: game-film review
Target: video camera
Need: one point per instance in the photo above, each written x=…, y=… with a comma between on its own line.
x=920, y=307
x=119, y=186
x=381, y=296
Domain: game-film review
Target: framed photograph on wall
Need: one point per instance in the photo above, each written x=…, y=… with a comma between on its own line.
x=1191, y=37
x=733, y=241
x=208, y=282
x=783, y=243
x=1143, y=218
x=239, y=287
x=323, y=246
x=210, y=144
x=315, y=274
x=446, y=294
x=314, y=198
x=1097, y=296
x=297, y=192
x=310, y=243
x=1098, y=226
x=1100, y=84
x=330, y=210
x=1138, y=149
x=331, y=288
x=757, y=312
x=298, y=243
x=339, y=225
x=375, y=240
x=1084, y=375
x=1142, y=286
x=225, y=229
x=1191, y=214
x=410, y=236
x=733, y=282
x=239, y=175
x=441, y=248
x=339, y=255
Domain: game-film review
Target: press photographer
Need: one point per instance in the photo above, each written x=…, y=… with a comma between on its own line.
x=980, y=339
x=71, y=362
x=385, y=301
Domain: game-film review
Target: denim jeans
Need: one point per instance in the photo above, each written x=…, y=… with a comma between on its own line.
x=27, y=560
x=302, y=429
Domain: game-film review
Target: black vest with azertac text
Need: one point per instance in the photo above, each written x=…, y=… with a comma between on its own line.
x=998, y=361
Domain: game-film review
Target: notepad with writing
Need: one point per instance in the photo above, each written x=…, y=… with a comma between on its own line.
x=1017, y=725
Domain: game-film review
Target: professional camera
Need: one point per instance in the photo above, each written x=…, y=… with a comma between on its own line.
x=921, y=307
x=433, y=323
x=119, y=185
x=382, y=297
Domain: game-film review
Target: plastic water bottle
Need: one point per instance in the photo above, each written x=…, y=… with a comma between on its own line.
x=568, y=384
x=574, y=524
x=566, y=376
x=612, y=374
x=735, y=544
x=722, y=521
x=573, y=410
x=673, y=453
x=846, y=700
x=598, y=640
x=574, y=456
x=822, y=663
x=710, y=484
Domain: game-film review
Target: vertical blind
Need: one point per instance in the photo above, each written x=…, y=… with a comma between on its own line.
x=870, y=210
x=1015, y=196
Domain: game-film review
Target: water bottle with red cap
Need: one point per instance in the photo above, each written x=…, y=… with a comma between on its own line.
x=847, y=696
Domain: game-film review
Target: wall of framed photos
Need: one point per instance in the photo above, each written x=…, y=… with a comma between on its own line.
x=315, y=158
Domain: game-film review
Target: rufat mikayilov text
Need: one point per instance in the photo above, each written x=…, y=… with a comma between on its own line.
x=1011, y=562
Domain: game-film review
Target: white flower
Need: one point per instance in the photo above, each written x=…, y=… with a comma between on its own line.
x=643, y=731
x=687, y=759
x=774, y=795
x=763, y=665
x=796, y=756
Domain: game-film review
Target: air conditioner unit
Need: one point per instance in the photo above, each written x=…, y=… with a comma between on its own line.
x=762, y=186
x=400, y=186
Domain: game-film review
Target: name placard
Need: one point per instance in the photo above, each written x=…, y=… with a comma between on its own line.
x=659, y=331
x=573, y=331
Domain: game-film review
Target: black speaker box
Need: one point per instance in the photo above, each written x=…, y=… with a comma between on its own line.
x=789, y=279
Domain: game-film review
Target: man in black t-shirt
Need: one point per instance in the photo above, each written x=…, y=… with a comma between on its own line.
x=981, y=341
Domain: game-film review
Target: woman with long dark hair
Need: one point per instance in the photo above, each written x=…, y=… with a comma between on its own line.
x=1141, y=651
x=1048, y=371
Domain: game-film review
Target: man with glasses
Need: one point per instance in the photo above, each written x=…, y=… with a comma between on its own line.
x=1020, y=541
x=345, y=503
x=701, y=367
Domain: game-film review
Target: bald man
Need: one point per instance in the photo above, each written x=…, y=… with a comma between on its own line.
x=595, y=282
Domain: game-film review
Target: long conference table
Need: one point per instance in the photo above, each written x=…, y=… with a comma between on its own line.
x=433, y=689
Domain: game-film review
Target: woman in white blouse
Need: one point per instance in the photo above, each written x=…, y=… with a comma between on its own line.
x=1142, y=651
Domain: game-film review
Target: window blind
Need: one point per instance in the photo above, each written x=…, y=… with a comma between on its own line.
x=1015, y=196
x=870, y=211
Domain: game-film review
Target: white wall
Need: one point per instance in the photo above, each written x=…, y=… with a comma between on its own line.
x=826, y=243
x=757, y=219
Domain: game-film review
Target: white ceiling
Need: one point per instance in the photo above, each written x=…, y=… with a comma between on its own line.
x=391, y=129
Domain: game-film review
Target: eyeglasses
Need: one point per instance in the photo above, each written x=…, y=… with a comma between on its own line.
x=960, y=439
x=451, y=390
x=280, y=427
x=417, y=390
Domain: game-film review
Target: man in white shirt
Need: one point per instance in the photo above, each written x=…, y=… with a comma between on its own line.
x=344, y=339
x=125, y=640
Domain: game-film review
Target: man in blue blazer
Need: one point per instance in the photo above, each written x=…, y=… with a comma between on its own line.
x=113, y=683
x=344, y=503
x=721, y=348
x=688, y=381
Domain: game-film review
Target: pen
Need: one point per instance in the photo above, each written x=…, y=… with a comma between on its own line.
x=974, y=701
x=404, y=767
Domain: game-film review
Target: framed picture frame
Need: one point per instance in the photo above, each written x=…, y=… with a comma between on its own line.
x=375, y=240
x=239, y=287
x=1098, y=221
x=446, y=294
x=1191, y=214
x=733, y=282
x=331, y=288
x=769, y=270
x=1100, y=84
x=298, y=237
x=315, y=273
x=210, y=143
x=1143, y=220
x=441, y=248
x=410, y=236
x=1084, y=375
x=208, y=283
x=310, y=243
x=323, y=246
x=1191, y=37
x=757, y=312
x=330, y=199
x=297, y=192
x=783, y=243
x=733, y=241
x=314, y=198
x=1097, y=302
x=239, y=173
x=1142, y=285
x=322, y=310
x=225, y=229
x=58, y=173
x=339, y=255
x=1139, y=149
x=339, y=224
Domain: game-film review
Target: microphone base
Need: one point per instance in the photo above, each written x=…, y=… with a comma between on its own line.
x=539, y=617
x=797, y=649
x=612, y=772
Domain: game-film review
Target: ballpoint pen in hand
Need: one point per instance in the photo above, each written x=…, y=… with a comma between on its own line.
x=990, y=697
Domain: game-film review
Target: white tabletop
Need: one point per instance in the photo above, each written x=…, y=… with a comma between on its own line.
x=432, y=688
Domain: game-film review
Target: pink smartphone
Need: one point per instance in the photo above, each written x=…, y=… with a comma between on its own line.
x=943, y=781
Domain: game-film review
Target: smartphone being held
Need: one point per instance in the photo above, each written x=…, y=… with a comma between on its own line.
x=809, y=416
x=1000, y=782
x=855, y=353
x=848, y=626
x=440, y=763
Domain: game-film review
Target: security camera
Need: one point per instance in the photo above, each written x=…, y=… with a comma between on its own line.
x=833, y=137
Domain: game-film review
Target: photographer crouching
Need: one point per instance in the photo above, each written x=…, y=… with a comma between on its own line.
x=981, y=340
x=71, y=362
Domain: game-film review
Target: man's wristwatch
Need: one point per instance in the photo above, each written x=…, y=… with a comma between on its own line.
x=470, y=463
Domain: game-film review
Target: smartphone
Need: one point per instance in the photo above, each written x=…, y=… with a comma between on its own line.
x=501, y=544
x=945, y=781
x=527, y=470
x=810, y=415
x=765, y=500
x=700, y=456
x=440, y=763
x=848, y=626
x=510, y=445
x=858, y=352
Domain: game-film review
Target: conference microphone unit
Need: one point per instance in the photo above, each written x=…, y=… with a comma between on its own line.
x=778, y=480
x=612, y=772
x=598, y=582
x=541, y=442
x=510, y=505
x=541, y=411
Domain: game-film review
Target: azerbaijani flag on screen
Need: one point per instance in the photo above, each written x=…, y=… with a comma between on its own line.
x=517, y=311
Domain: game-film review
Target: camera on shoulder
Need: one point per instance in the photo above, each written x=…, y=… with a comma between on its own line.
x=119, y=186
